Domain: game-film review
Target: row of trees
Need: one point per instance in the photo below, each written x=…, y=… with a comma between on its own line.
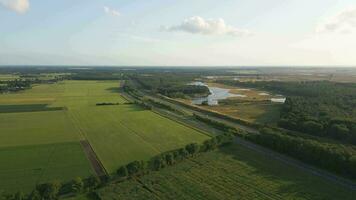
x=171, y=85
x=14, y=85
x=336, y=158
x=137, y=168
x=23, y=84
x=52, y=190
x=162, y=105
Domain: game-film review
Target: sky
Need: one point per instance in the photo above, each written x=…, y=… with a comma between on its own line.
x=178, y=32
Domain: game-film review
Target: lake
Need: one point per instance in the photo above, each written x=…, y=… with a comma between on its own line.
x=216, y=94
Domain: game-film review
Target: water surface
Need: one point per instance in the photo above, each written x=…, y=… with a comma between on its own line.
x=216, y=94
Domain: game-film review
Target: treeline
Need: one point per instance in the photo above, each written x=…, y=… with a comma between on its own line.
x=172, y=85
x=138, y=168
x=14, y=85
x=163, y=105
x=24, y=84
x=309, y=116
x=107, y=104
x=320, y=108
x=55, y=189
x=181, y=91
x=336, y=158
x=97, y=75
x=216, y=124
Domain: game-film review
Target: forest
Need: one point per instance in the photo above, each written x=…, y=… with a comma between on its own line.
x=171, y=84
x=320, y=108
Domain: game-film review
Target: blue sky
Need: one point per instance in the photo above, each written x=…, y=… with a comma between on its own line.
x=178, y=32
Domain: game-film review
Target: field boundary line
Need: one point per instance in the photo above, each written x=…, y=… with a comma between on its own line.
x=93, y=158
x=140, y=137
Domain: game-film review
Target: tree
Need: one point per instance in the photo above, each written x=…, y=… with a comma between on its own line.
x=122, y=172
x=35, y=195
x=158, y=163
x=135, y=167
x=93, y=182
x=210, y=144
x=183, y=153
x=51, y=190
x=77, y=185
x=169, y=159
x=19, y=196
x=192, y=148
x=339, y=131
x=313, y=127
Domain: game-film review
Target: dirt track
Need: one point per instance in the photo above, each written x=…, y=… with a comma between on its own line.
x=93, y=158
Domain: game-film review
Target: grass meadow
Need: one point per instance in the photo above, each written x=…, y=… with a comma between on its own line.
x=41, y=129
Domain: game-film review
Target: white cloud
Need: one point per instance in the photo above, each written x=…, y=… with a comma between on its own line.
x=111, y=11
x=199, y=25
x=19, y=6
x=342, y=22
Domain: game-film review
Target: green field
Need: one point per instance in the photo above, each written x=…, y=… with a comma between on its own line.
x=22, y=167
x=8, y=77
x=233, y=172
x=123, y=133
x=41, y=126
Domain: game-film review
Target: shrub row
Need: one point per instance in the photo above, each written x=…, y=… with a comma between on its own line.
x=138, y=168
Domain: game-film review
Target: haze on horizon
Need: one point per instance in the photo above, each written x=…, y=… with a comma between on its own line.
x=178, y=32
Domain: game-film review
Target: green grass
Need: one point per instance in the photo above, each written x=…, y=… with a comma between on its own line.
x=119, y=134
x=24, y=166
x=233, y=172
x=29, y=128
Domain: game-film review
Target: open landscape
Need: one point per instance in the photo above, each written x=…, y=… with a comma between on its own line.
x=31, y=124
x=177, y=100
x=89, y=124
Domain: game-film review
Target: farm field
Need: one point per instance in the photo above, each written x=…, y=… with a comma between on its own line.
x=43, y=125
x=122, y=133
x=8, y=77
x=23, y=167
x=233, y=172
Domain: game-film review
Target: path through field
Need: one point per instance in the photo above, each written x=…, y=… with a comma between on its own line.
x=93, y=158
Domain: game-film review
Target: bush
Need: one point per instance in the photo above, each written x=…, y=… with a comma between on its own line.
x=77, y=185
x=122, y=172
x=93, y=182
x=192, y=148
